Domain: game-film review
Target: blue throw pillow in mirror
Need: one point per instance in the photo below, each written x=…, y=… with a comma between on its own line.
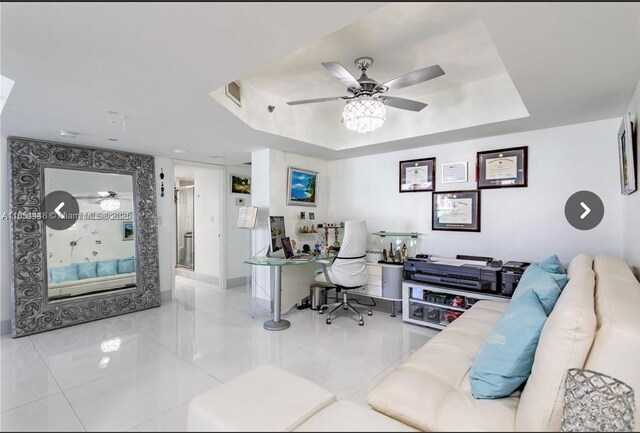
x=126, y=265
x=106, y=268
x=87, y=270
x=64, y=273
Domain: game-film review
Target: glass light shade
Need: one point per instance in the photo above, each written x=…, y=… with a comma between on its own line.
x=595, y=402
x=364, y=114
x=110, y=204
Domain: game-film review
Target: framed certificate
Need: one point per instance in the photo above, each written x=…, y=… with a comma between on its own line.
x=502, y=168
x=456, y=211
x=454, y=172
x=418, y=175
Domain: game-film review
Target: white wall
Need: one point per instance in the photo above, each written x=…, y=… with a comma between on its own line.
x=166, y=227
x=631, y=203
x=517, y=223
x=5, y=253
x=238, y=240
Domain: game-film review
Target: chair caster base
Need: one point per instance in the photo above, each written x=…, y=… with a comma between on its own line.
x=320, y=311
x=361, y=322
x=328, y=321
x=370, y=312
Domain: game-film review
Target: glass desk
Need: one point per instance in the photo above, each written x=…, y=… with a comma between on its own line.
x=278, y=324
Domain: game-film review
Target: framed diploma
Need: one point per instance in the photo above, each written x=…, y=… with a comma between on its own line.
x=502, y=168
x=418, y=175
x=454, y=172
x=456, y=211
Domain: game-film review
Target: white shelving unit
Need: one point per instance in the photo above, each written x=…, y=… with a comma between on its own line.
x=420, y=312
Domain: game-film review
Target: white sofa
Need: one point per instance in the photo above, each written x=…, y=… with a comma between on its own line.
x=90, y=285
x=595, y=324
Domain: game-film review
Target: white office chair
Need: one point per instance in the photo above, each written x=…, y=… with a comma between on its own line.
x=348, y=270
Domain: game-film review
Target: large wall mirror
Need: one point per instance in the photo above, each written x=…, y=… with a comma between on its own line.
x=84, y=234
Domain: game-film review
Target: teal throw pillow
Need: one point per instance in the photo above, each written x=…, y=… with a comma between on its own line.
x=542, y=284
x=87, y=270
x=126, y=265
x=64, y=273
x=106, y=268
x=552, y=264
x=504, y=360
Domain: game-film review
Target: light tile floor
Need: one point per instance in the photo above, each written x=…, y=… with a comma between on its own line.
x=139, y=371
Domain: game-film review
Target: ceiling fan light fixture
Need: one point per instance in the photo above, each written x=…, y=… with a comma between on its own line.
x=364, y=114
x=110, y=204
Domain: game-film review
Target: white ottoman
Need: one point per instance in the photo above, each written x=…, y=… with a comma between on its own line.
x=347, y=416
x=264, y=399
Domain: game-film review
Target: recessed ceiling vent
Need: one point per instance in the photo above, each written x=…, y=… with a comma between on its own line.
x=232, y=90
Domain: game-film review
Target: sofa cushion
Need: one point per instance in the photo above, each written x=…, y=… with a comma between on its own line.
x=542, y=284
x=348, y=416
x=126, y=265
x=431, y=390
x=504, y=360
x=106, y=268
x=564, y=343
x=616, y=347
x=87, y=270
x=263, y=399
x=580, y=263
x=64, y=273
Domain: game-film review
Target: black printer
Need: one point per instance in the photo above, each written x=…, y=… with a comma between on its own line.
x=477, y=275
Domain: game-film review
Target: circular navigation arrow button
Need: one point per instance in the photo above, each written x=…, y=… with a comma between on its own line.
x=584, y=210
x=61, y=210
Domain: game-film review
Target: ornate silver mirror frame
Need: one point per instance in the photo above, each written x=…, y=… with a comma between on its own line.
x=32, y=311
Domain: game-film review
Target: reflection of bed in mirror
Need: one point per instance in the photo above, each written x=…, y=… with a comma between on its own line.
x=95, y=254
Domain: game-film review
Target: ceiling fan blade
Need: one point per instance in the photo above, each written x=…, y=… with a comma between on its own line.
x=85, y=197
x=313, y=101
x=341, y=73
x=415, y=77
x=403, y=104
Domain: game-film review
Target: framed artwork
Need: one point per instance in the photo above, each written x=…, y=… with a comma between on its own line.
x=302, y=187
x=502, y=168
x=454, y=172
x=627, y=156
x=456, y=211
x=240, y=184
x=127, y=231
x=417, y=175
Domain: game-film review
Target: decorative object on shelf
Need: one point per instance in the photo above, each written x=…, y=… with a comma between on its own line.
x=384, y=255
x=240, y=184
x=627, y=159
x=302, y=187
x=162, y=183
x=502, y=168
x=127, y=231
x=456, y=211
x=404, y=252
x=417, y=175
x=161, y=174
x=312, y=215
x=454, y=172
x=595, y=402
x=366, y=99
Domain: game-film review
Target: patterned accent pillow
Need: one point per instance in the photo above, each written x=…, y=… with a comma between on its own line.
x=126, y=265
x=106, y=268
x=87, y=270
x=64, y=273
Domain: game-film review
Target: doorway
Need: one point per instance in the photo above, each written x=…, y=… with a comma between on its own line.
x=185, y=233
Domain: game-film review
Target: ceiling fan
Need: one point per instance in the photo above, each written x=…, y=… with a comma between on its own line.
x=101, y=195
x=108, y=200
x=365, y=111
